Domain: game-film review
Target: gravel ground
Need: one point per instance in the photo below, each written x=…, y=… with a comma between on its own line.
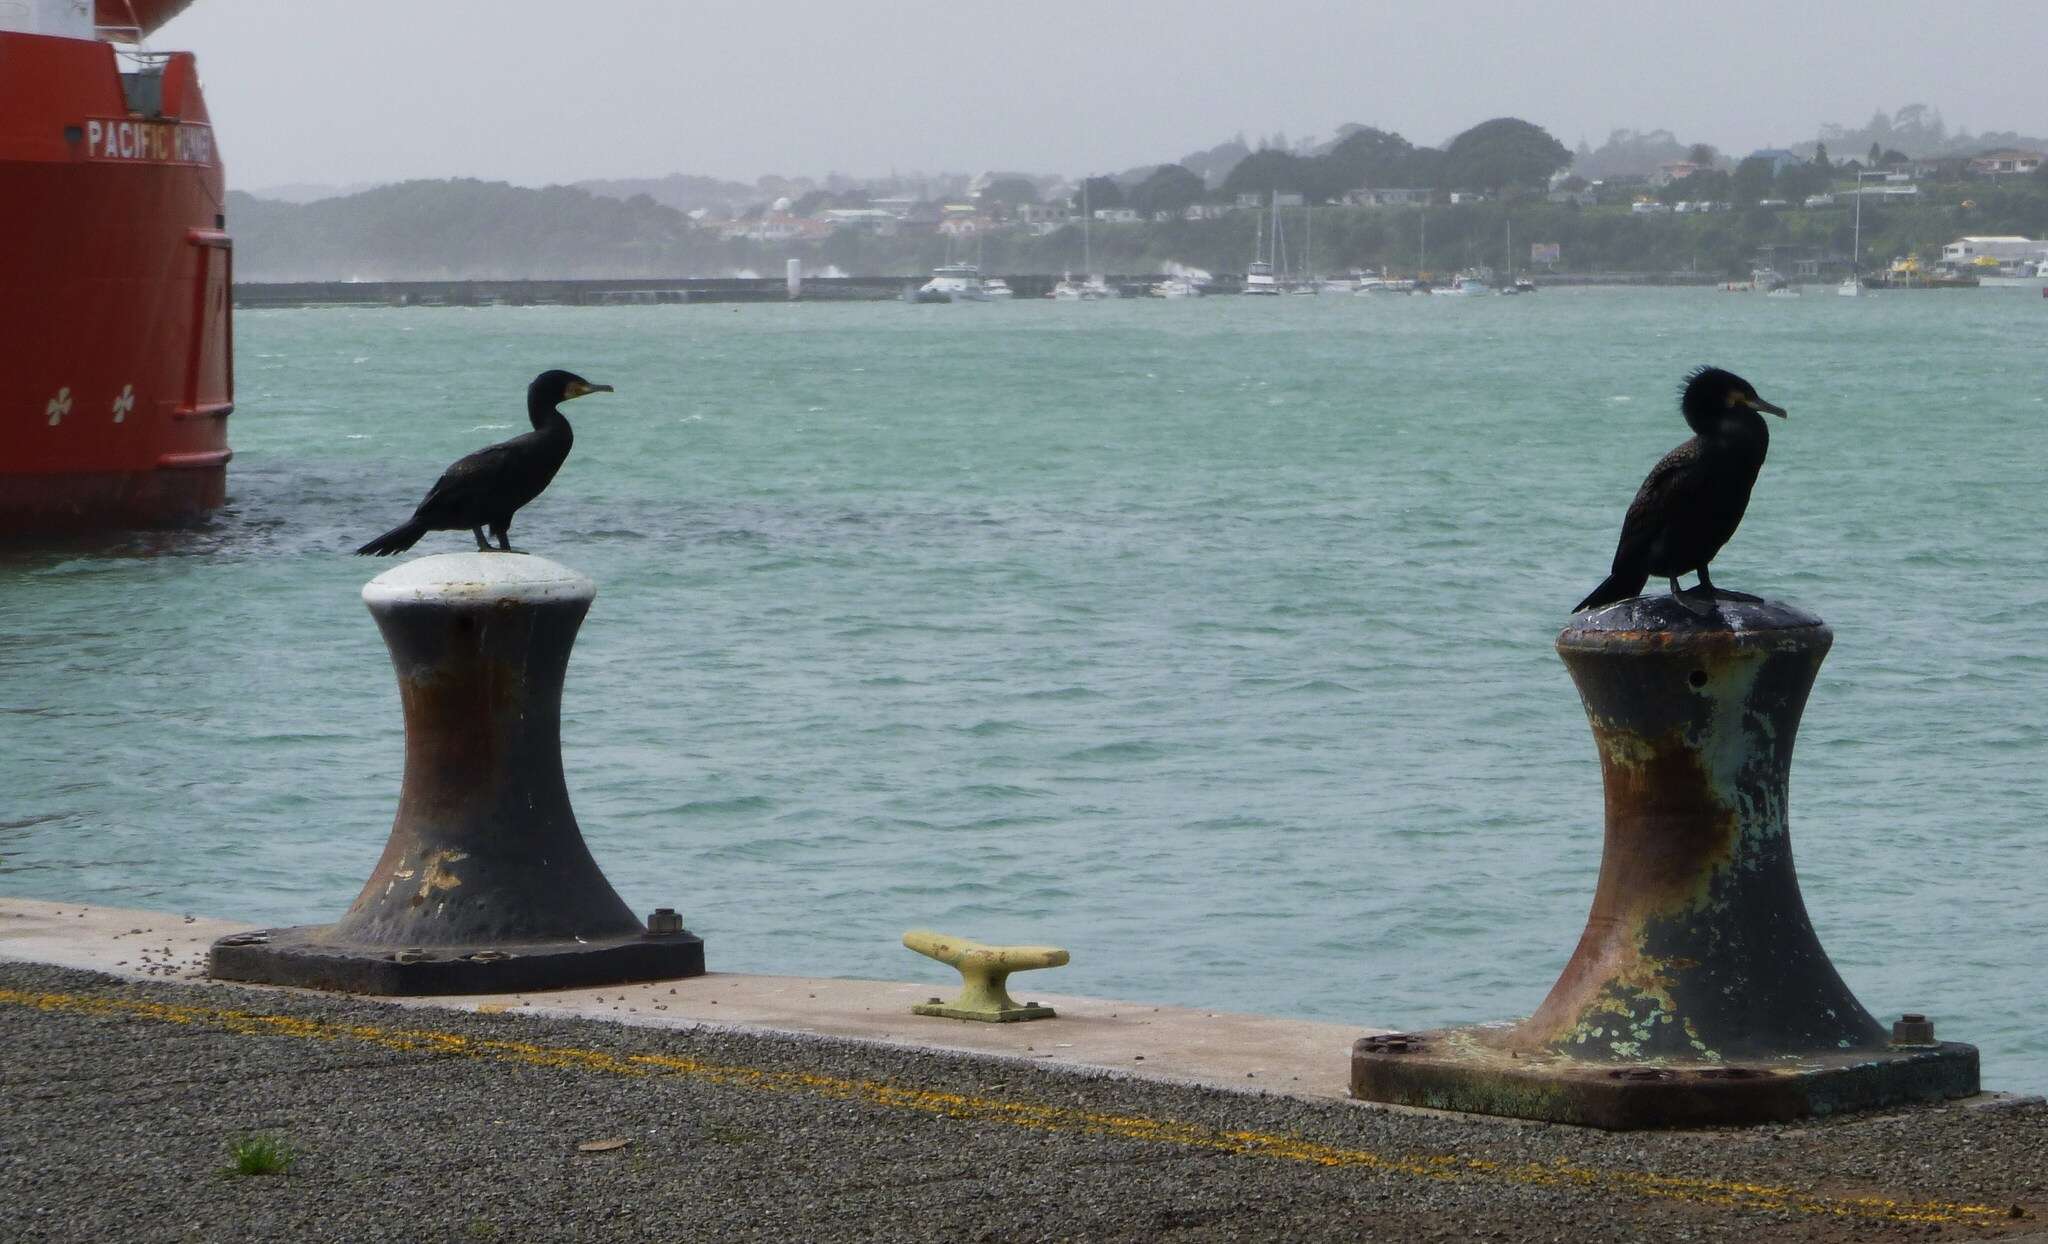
x=118, y=1119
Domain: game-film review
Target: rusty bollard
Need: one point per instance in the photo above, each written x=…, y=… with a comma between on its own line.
x=485, y=885
x=1699, y=993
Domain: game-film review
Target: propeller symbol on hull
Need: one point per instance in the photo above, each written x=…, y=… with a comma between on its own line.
x=124, y=403
x=59, y=406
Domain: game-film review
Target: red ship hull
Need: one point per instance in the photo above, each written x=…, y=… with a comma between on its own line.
x=116, y=351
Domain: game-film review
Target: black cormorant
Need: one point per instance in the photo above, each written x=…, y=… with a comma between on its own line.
x=483, y=489
x=1694, y=498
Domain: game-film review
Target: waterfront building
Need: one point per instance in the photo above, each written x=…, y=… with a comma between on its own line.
x=2004, y=249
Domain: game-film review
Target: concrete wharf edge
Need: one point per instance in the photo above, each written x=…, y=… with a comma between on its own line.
x=1172, y=1045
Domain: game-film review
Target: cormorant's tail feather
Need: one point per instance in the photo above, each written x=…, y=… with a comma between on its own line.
x=396, y=540
x=1615, y=587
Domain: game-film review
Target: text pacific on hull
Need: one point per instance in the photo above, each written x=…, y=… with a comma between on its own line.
x=119, y=374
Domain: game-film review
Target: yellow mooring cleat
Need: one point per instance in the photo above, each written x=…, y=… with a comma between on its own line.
x=983, y=969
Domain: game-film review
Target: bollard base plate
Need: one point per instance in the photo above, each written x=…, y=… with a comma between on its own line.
x=1001, y=1015
x=1473, y=1071
x=301, y=956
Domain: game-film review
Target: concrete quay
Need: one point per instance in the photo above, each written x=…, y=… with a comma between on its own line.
x=751, y=1109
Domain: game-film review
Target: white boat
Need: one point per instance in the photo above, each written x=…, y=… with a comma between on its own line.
x=995, y=289
x=1175, y=287
x=1384, y=284
x=1465, y=284
x=1772, y=283
x=1258, y=279
x=1087, y=289
x=954, y=282
x=1259, y=276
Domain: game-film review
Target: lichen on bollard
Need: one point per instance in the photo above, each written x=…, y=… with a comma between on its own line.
x=1698, y=992
x=485, y=883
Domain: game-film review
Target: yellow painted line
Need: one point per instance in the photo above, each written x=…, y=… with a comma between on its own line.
x=1717, y=1192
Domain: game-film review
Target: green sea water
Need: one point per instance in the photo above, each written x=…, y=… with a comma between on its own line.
x=1209, y=639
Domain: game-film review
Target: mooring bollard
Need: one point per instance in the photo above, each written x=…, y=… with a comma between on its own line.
x=485, y=885
x=1699, y=993
x=984, y=977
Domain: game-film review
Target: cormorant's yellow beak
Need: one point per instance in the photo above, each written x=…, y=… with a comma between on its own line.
x=1757, y=403
x=577, y=389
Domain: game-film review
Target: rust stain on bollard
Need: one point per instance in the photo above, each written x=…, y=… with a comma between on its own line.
x=1698, y=992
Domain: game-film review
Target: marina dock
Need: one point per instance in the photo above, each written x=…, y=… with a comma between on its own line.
x=751, y=1109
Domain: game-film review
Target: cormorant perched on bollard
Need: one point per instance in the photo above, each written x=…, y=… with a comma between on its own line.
x=1694, y=498
x=483, y=489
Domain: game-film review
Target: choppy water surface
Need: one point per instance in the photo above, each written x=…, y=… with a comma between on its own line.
x=1209, y=639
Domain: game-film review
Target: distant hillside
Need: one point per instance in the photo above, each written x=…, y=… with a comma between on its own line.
x=438, y=230
x=310, y=191
x=685, y=192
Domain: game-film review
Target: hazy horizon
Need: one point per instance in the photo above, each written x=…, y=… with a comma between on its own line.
x=510, y=91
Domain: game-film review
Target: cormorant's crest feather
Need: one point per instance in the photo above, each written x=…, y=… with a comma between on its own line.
x=1702, y=372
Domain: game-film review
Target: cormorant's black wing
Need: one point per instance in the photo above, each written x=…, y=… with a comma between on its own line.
x=1668, y=490
x=469, y=482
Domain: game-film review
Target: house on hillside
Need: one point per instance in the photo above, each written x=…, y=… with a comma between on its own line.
x=967, y=223
x=1780, y=158
x=1676, y=170
x=2005, y=160
x=921, y=218
x=1039, y=213
x=1391, y=197
x=861, y=220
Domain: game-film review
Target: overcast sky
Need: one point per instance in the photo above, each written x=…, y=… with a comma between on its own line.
x=534, y=91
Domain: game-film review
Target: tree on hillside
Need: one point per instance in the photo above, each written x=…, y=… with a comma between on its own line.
x=1820, y=156
x=1702, y=154
x=1503, y=152
x=1629, y=152
x=1752, y=180
x=1099, y=193
x=1796, y=181
x=1269, y=169
x=1010, y=191
x=1710, y=184
x=1170, y=188
x=1367, y=157
x=1213, y=165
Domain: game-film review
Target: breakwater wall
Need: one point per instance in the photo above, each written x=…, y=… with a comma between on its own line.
x=628, y=291
x=631, y=291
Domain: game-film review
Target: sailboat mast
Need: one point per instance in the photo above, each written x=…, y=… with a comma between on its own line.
x=1856, y=247
x=1087, y=253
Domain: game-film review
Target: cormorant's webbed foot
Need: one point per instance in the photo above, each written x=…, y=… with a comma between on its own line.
x=482, y=545
x=1707, y=589
x=1697, y=601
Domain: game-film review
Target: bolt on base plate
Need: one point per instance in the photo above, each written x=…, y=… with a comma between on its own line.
x=301, y=956
x=1471, y=1070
